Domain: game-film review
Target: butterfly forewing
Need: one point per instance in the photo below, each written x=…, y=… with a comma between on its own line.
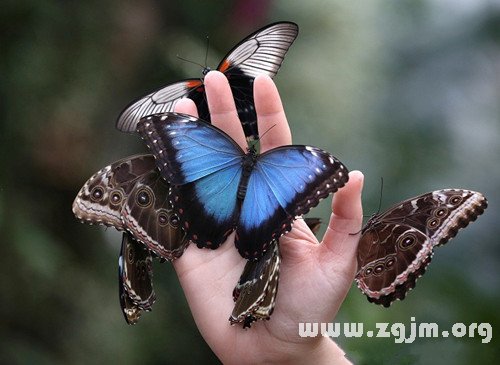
x=148, y=215
x=261, y=52
x=158, y=101
x=396, y=246
x=204, y=169
x=135, y=279
x=130, y=194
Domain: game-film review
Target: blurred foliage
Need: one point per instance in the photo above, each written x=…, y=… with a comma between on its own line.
x=405, y=90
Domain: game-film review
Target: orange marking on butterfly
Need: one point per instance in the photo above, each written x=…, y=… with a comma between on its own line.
x=194, y=84
x=224, y=66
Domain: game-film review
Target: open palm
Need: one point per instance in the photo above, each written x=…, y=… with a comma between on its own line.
x=314, y=278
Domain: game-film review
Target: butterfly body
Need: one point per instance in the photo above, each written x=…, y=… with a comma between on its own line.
x=262, y=52
x=217, y=187
x=247, y=166
x=396, y=246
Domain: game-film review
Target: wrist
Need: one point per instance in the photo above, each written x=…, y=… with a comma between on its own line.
x=325, y=352
x=321, y=351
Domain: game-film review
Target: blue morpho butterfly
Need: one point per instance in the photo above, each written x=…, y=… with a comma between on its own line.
x=217, y=187
x=262, y=52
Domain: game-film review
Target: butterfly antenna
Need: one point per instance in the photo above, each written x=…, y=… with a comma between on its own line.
x=381, y=193
x=379, y=201
x=259, y=138
x=206, y=51
x=263, y=134
x=189, y=61
x=379, y=206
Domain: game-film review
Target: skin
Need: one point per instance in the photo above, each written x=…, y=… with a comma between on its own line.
x=315, y=277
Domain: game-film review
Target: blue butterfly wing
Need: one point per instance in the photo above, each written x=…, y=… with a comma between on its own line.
x=203, y=165
x=286, y=182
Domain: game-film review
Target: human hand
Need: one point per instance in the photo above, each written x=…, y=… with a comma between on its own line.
x=314, y=278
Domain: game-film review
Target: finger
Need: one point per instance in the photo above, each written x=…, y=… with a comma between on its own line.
x=194, y=257
x=220, y=261
x=186, y=106
x=222, y=108
x=273, y=126
x=342, y=234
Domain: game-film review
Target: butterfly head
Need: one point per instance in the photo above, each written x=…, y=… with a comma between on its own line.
x=372, y=221
x=253, y=143
x=205, y=69
x=252, y=149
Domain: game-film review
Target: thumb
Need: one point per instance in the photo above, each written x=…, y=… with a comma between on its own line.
x=342, y=235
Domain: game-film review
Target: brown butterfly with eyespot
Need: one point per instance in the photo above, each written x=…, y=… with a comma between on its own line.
x=396, y=246
x=131, y=195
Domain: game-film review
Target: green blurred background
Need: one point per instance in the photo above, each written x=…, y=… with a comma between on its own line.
x=404, y=90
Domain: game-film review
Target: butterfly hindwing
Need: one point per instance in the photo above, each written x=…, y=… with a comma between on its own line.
x=262, y=52
x=396, y=252
x=396, y=246
x=148, y=215
x=213, y=181
x=135, y=276
x=255, y=293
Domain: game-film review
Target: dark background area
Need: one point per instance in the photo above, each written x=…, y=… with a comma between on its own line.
x=404, y=90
